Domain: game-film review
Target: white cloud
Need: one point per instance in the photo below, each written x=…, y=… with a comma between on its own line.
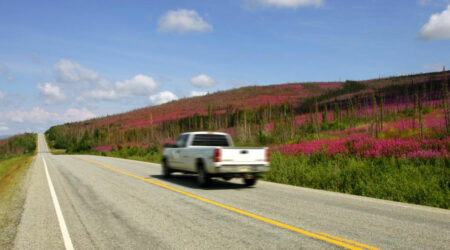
x=287, y=3
x=73, y=114
x=100, y=94
x=438, y=27
x=139, y=85
x=39, y=115
x=183, y=21
x=162, y=97
x=203, y=81
x=197, y=93
x=90, y=85
x=2, y=95
x=35, y=116
x=72, y=72
x=52, y=94
x=3, y=127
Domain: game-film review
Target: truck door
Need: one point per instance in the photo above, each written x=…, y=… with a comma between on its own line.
x=186, y=157
x=180, y=143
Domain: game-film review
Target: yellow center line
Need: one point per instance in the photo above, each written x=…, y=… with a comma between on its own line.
x=273, y=222
x=348, y=241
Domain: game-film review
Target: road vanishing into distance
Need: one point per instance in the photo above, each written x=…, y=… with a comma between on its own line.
x=93, y=202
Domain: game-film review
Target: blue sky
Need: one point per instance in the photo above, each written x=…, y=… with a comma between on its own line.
x=63, y=61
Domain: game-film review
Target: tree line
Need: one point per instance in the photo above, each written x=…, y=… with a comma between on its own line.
x=18, y=144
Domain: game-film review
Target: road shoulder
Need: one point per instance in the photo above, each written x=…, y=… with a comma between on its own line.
x=13, y=190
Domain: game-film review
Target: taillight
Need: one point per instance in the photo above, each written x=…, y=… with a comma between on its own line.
x=267, y=155
x=217, y=153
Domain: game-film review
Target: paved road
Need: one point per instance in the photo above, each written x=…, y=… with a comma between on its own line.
x=108, y=203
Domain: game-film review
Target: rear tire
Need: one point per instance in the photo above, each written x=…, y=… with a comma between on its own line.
x=203, y=178
x=249, y=182
x=166, y=171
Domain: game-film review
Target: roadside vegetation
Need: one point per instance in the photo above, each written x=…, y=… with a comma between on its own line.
x=420, y=181
x=385, y=138
x=151, y=153
x=16, y=155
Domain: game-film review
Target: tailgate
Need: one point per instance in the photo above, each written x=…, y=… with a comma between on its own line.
x=243, y=154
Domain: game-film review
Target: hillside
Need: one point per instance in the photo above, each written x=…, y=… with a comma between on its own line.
x=252, y=97
x=241, y=98
x=139, y=126
x=386, y=138
x=299, y=97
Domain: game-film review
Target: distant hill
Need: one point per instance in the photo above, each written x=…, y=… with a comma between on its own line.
x=243, y=111
x=250, y=97
x=4, y=136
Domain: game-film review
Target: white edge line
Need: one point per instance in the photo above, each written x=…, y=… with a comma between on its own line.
x=62, y=224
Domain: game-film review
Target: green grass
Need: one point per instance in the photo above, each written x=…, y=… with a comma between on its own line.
x=150, y=154
x=10, y=168
x=16, y=155
x=425, y=182
x=58, y=151
x=10, y=163
x=13, y=170
x=151, y=157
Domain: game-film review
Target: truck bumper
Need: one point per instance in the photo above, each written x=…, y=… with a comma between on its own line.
x=241, y=169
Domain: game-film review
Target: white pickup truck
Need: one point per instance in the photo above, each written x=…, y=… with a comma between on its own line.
x=211, y=154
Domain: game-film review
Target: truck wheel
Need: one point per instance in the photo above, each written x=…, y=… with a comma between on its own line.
x=202, y=177
x=250, y=182
x=166, y=171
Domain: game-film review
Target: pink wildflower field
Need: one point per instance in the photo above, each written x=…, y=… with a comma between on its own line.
x=369, y=147
x=357, y=142
x=243, y=98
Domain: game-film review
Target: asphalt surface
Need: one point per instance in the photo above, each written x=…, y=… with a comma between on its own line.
x=110, y=203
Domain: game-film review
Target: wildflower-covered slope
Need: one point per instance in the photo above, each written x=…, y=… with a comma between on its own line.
x=312, y=116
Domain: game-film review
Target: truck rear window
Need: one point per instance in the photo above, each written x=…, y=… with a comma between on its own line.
x=210, y=140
